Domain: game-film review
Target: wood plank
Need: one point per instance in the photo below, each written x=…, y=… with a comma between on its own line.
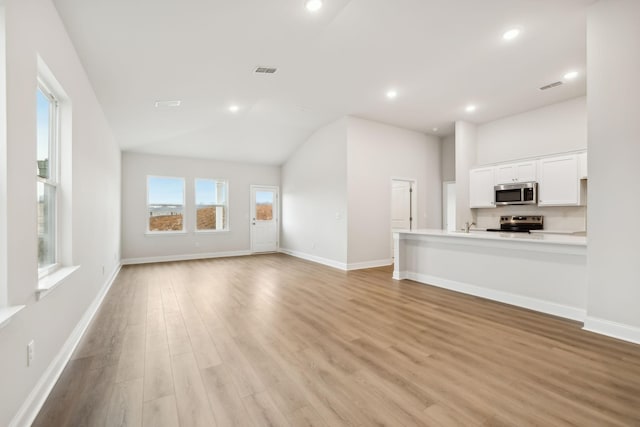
x=161, y=412
x=191, y=397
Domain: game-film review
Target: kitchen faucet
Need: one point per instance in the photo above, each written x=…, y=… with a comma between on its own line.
x=467, y=226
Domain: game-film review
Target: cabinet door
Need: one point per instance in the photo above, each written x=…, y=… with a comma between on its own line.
x=481, y=182
x=526, y=172
x=505, y=174
x=558, y=183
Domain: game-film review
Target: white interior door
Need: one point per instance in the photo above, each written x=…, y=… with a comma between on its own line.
x=264, y=218
x=402, y=206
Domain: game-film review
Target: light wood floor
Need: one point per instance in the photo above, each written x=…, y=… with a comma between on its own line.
x=272, y=340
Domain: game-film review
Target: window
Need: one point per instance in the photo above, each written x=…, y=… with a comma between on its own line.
x=264, y=205
x=165, y=204
x=212, y=211
x=47, y=175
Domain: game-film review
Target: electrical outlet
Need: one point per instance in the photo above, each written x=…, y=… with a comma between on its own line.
x=31, y=352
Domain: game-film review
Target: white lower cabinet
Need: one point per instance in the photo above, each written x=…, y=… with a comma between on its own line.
x=481, y=182
x=559, y=182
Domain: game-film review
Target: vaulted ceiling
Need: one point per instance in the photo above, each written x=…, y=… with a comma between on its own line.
x=439, y=55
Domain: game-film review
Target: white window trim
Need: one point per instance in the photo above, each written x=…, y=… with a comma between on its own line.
x=53, y=279
x=52, y=276
x=6, y=313
x=184, y=208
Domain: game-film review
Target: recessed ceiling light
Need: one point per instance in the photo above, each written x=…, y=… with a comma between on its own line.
x=392, y=94
x=571, y=75
x=234, y=108
x=160, y=104
x=313, y=5
x=470, y=108
x=435, y=129
x=511, y=34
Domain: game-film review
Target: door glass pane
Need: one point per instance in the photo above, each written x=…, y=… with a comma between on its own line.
x=43, y=135
x=46, y=225
x=166, y=203
x=264, y=205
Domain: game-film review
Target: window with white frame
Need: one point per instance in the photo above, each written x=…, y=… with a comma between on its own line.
x=165, y=204
x=212, y=207
x=47, y=177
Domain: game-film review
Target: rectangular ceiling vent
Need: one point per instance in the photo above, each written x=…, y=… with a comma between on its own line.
x=265, y=70
x=168, y=104
x=551, y=85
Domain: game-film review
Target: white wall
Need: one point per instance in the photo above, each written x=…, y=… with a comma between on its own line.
x=552, y=129
x=33, y=28
x=613, y=67
x=138, y=246
x=314, y=196
x=448, y=158
x=376, y=154
x=466, y=158
x=3, y=162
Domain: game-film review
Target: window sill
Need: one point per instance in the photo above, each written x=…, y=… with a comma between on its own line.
x=165, y=233
x=6, y=313
x=51, y=281
x=211, y=231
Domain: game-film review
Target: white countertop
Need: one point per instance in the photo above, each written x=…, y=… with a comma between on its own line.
x=558, y=239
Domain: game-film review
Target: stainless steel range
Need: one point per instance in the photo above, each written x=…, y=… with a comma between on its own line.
x=519, y=224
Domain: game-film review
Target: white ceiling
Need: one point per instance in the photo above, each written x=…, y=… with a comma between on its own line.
x=439, y=54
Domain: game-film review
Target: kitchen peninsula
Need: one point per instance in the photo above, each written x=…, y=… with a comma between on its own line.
x=542, y=272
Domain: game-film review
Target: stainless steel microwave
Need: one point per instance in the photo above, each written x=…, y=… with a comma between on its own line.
x=523, y=193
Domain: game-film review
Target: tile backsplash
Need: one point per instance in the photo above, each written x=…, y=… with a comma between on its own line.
x=561, y=218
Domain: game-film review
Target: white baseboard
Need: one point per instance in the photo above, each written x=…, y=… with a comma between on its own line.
x=399, y=275
x=369, y=264
x=548, y=307
x=612, y=329
x=32, y=405
x=314, y=258
x=185, y=257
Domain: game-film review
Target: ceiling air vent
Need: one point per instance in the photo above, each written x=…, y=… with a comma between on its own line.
x=168, y=104
x=550, y=85
x=265, y=70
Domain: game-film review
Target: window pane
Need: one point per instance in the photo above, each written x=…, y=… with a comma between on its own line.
x=211, y=217
x=46, y=225
x=264, y=205
x=211, y=204
x=166, y=203
x=43, y=134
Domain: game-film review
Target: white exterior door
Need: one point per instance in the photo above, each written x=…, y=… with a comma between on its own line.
x=264, y=219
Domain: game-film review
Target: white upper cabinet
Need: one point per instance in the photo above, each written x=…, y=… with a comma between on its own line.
x=481, y=182
x=516, y=172
x=559, y=182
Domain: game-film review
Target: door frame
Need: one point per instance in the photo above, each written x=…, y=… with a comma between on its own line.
x=276, y=213
x=445, y=199
x=414, y=206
